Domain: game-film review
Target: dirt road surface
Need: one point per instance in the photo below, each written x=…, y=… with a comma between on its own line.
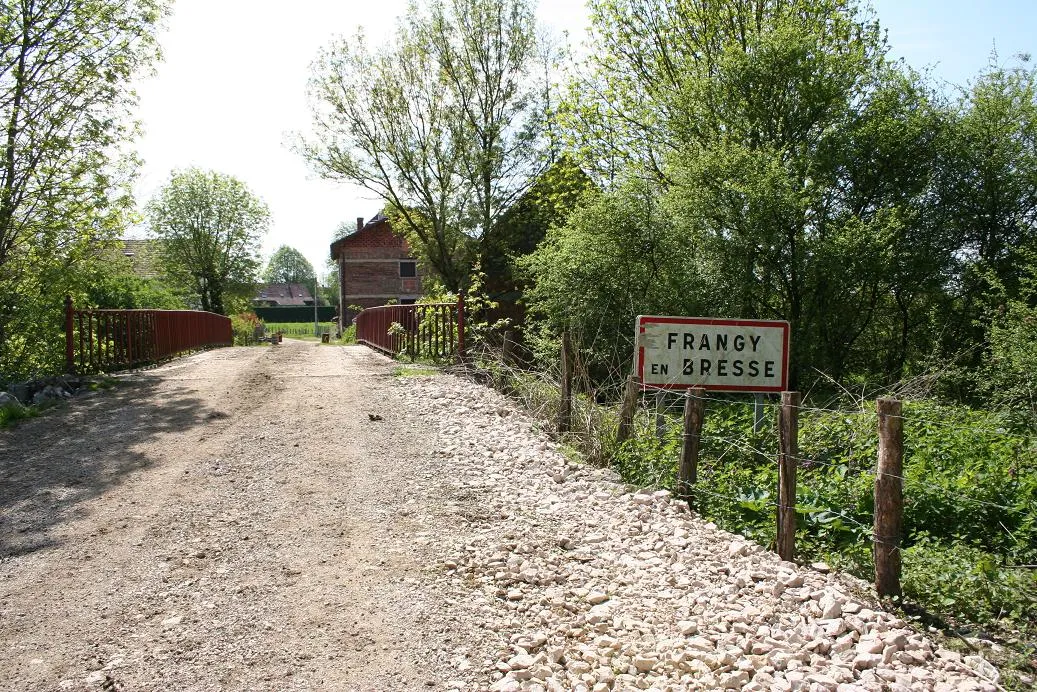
x=232, y=520
x=298, y=517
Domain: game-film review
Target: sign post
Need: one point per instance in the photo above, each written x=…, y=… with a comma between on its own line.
x=721, y=355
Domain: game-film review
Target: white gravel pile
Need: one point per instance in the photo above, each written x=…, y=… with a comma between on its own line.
x=566, y=579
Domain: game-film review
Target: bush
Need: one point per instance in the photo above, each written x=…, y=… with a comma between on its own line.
x=247, y=328
x=966, y=581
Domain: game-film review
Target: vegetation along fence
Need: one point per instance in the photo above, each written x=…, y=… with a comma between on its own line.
x=932, y=505
x=427, y=330
x=117, y=339
x=931, y=500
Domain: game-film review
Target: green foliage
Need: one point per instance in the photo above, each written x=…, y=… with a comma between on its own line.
x=210, y=225
x=299, y=329
x=110, y=282
x=445, y=122
x=789, y=164
x=10, y=415
x=970, y=500
x=288, y=266
x=966, y=581
x=1010, y=375
x=986, y=178
x=247, y=328
x=617, y=256
x=65, y=104
x=548, y=202
x=413, y=371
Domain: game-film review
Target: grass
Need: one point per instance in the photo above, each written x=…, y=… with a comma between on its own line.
x=298, y=330
x=414, y=371
x=9, y=415
x=102, y=384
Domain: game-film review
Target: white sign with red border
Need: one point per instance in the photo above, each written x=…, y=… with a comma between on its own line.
x=724, y=355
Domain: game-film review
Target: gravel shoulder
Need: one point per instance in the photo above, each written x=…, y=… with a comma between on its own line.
x=299, y=518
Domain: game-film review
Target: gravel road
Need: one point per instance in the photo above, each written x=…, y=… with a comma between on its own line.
x=299, y=518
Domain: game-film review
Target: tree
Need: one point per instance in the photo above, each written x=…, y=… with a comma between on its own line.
x=986, y=192
x=788, y=155
x=210, y=226
x=65, y=99
x=615, y=257
x=288, y=266
x=445, y=124
x=989, y=169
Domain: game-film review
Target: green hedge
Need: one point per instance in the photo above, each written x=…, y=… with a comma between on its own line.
x=295, y=313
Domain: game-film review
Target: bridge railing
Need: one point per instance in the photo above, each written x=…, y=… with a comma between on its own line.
x=117, y=339
x=424, y=330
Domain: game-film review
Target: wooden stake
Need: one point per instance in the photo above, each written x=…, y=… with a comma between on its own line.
x=626, y=413
x=694, y=409
x=889, y=498
x=788, y=453
x=565, y=407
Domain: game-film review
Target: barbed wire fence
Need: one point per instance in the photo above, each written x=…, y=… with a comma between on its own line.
x=739, y=437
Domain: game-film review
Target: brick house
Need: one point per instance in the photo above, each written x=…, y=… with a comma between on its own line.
x=375, y=266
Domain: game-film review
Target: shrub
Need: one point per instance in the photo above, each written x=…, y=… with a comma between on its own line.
x=966, y=581
x=247, y=328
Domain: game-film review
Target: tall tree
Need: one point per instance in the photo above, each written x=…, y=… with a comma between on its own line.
x=790, y=156
x=288, y=266
x=65, y=99
x=211, y=226
x=444, y=124
x=986, y=187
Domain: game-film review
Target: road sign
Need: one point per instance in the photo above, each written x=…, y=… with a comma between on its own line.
x=725, y=355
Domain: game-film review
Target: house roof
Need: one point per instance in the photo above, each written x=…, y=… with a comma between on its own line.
x=284, y=294
x=143, y=255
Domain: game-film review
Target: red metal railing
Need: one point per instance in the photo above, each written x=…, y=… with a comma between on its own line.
x=428, y=330
x=115, y=339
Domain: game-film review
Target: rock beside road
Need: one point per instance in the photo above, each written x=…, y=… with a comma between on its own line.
x=567, y=579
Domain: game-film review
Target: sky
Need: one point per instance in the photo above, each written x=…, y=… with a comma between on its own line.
x=231, y=89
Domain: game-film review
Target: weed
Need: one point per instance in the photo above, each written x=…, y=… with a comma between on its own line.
x=414, y=371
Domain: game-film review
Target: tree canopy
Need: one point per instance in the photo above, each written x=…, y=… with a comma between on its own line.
x=789, y=166
x=211, y=226
x=288, y=266
x=445, y=123
x=65, y=99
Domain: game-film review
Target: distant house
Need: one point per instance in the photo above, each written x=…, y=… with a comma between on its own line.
x=143, y=256
x=375, y=266
x=282, y=295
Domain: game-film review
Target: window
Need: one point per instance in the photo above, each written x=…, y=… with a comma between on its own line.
x=408, y=269
x=408, y=301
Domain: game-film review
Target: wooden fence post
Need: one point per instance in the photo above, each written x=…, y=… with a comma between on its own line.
x=688, y=475
x=889, y=498
x=788, y=453
x=626, y=413
x=70, y=354
x=565, y=407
